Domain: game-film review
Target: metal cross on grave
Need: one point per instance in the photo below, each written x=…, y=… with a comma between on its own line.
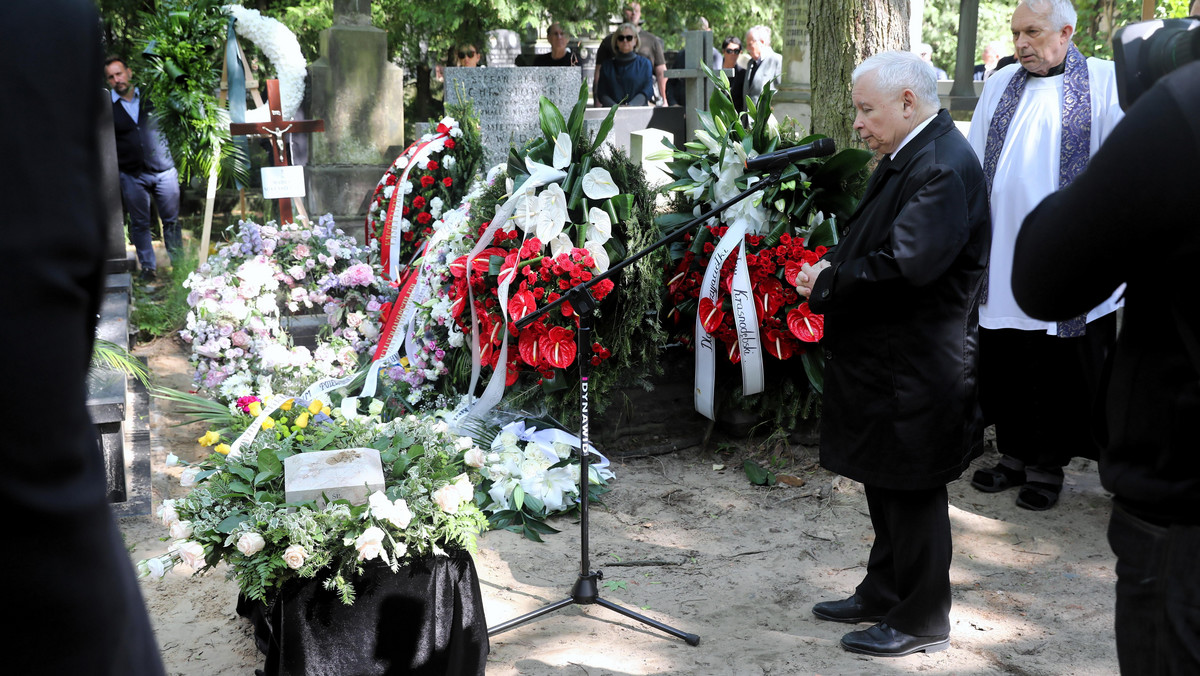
x=276, y=128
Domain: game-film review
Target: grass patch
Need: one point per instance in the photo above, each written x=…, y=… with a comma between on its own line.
x=161, y=308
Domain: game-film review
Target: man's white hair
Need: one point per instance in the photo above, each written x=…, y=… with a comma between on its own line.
x=760, y=33
x=897, y=71
x=1060, y=12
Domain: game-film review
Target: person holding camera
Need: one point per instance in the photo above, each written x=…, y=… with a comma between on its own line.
x=1127, y=220
x=1035, y=127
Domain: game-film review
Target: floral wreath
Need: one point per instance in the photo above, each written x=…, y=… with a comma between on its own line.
x=240, y=345
x=281, y=48
x=736, y=275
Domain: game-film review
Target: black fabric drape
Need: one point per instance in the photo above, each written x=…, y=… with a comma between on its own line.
x=425, y=620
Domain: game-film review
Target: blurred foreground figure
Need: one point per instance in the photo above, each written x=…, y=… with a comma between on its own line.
x=74, y=603
x=1139, y=191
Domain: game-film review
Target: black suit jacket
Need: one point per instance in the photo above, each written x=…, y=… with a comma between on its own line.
x=901, y=306
x=70, y=583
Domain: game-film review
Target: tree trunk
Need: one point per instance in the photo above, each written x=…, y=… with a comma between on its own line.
x=844, y=32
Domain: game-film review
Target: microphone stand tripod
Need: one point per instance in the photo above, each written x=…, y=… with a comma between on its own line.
x=586, y=590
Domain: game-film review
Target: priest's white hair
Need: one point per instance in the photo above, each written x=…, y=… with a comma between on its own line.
x=1060, y=12
x=897, y=71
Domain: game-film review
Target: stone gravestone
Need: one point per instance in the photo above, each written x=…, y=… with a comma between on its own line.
x=506, y=101
x=118, y=406
x=504, y=46
x=360, y=95
x=794, y=98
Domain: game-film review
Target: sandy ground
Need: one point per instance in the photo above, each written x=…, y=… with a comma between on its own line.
x=703, y=550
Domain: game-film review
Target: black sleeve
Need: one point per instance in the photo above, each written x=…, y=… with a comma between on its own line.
x=926, y=236
x=1137, y=195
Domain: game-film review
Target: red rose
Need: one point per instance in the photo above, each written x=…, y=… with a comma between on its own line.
x=447, y=181
x=427, y=181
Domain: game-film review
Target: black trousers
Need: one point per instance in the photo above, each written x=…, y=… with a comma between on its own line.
x=1158, y=595
x=1039, y=390
x=908, y=571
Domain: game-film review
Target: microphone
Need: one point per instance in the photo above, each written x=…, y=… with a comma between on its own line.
x=819, y=148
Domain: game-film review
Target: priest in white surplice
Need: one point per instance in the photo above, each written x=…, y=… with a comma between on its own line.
x=1036, y=125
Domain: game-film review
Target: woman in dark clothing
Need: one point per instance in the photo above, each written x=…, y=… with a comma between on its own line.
x=731, y=49
x=628, y=77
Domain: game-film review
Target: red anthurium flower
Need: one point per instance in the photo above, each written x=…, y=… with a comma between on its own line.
x=791, y=272
x=527, y=345
x=558, y=346
x=768, y=297
x=711, y=315
x=521, y=304
x=779, y=344
x=459, y=267
x=735, y=355
x=805, y=324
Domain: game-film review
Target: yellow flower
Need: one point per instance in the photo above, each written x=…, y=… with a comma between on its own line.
x=255, y=408
x=223, y=449
x=287, y=405
x=404, y=362
x=210, y=437
x=315, y=407
x=302, y=420
x=268, y=423
x=327, y=410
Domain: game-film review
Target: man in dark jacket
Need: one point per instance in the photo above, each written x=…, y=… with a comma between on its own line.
x=147, y=169
x=900, y=295
x=1064, y=263
x=75, y=601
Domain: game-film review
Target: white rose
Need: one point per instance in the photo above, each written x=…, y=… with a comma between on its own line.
x=192, y=554
x=448, y=498
x=474, y=457
x=369, y=544
x=375, y=407
x=181, y=530
x=401, y=550
x=250, y=544
x=172, y=460
x=188, y=478
x=167, y=513
x=155, y=568
x=294, y=556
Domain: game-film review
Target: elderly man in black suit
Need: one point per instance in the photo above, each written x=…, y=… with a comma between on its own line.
x=900, y=295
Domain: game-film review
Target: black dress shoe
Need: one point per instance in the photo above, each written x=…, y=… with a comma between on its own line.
x=851, y=610
x=881, y=640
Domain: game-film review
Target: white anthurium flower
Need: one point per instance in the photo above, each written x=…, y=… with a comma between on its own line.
x=561, y=244
x=601, y=230
x=713, y=145
x=553, y=212
x=540, y=174
x=598, y=184
x=562, y=151
x=599, y=255
x=527, y=212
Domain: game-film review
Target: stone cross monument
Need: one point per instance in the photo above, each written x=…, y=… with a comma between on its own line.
x=360, y=95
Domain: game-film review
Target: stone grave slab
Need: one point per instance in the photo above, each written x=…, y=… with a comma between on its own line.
x=506, y=101
x=348, y=474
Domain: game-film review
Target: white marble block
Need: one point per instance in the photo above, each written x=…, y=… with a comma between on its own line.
x=347, y=474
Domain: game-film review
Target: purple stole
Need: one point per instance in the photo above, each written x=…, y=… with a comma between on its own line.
x=1076, y=140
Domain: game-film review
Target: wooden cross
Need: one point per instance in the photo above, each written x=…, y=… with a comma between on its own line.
x=276, y=128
